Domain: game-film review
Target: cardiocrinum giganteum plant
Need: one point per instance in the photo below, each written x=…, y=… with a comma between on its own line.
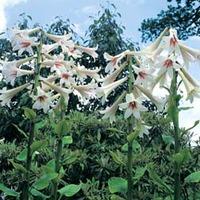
x=164, y=63
x=52, y=77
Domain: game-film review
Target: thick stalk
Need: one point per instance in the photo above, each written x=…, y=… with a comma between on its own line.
x=32, y=126
x=58, y=153
x=130, y=148
x=175, y=120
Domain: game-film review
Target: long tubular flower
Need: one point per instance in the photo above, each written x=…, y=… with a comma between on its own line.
x=113, y=61
x=62, y=91
x=154, y=47
x=7, y=95
x=109, y=112
x=160, y=103
x=144, y=75
x=89, y=51
x=192, y=89
x=132, y=106
x=85, y=91
x=42, y=100
x=47, y=48
x=62, y=40
x=104, y=91
x=112, y=77
x=83, y=72
x=11, y=70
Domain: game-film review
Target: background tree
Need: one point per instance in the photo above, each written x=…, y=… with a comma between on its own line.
x=183, y=15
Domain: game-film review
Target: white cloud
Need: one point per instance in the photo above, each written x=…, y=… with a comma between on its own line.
x=3, y=5
x=91, y=9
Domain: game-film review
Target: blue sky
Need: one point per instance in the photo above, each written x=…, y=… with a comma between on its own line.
x=78, y=11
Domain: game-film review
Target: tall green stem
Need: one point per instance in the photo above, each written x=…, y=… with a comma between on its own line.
x=59, y=148
x=130, y=148
x=25, y=193
x=175, y=120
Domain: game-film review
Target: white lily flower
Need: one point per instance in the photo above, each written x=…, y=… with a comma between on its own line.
x=109, y=112
x=85, y=91
x=75, y=53
x=144, y=75
x=132, y=106
x=188, y=54
x=42, y=100
x=47, y=48
x=89, y=51
x=153, y=49
x=112, y=77
x=62, y=40
x=104, y=91
x=11, y=70
x=160, y=103
x=84, y=72
x=56, y=63
x=167, y=65
x=62, y=91
x=113, y=61
x=7, y=95
x=192, y=90
x=51, y=79
x=24, y=43
x=144, y=129
x=66, y=77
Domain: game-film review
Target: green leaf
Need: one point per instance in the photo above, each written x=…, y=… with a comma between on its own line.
x=168, y=139
x=37, y=193
x=22, y=155
x=193, y=177
x=44, y=181
x=135, y=146
x=70, y=190
x=181, y=157
x=139, y=173
x=20, y=130
x=116, y=197
x=158, y=181
x=29, y=113
x=61, y=128
x=8, y=191
x=67, y=140
x=37, y=145
x=117, y=157
x=18, y=166
x=117, y=184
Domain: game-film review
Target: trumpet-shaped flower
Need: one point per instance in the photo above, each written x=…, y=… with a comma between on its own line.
x=104, y=91
x=112, y=77
x=109, y=112
x=11, y=70
x=7, y=95
x=42, y=100
x=132, y=106
x=113, y=62
x=160, y=103
x=47, y=48
x=62, y=91
x=62, y=40
x=192, y=89
x=56, y=63
x=144, y=75
x=66, y=77
x=85, y=91
x=89, y=51
x=83, y=72
x=24, y=43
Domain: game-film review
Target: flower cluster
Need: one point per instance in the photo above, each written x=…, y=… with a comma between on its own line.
x=65, y=74
x=153, y=65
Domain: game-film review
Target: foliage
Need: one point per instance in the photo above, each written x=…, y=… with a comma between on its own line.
x=183, y=15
